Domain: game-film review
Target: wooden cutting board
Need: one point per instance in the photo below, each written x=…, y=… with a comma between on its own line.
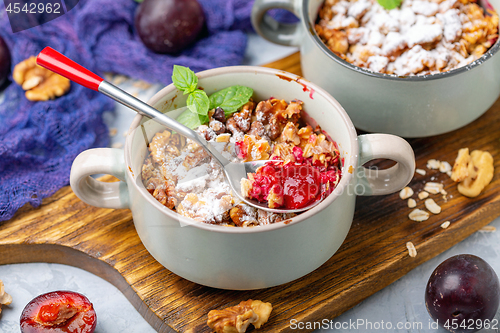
x=103, y=241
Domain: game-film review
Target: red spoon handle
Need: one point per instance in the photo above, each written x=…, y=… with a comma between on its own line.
x=58, y=63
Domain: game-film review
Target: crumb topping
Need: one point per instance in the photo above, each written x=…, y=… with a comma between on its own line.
x=421, y=37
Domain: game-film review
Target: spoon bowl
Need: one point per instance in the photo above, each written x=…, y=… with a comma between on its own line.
x=234, y=172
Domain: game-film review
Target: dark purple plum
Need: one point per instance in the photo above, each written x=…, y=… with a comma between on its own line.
x=4, y=61
x=463, y=293
x=169, y=26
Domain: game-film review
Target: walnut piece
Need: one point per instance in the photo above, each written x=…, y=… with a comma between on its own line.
x=40, y=83
x=6, y=299
x=472, y=171
x=243, y=215
x=459, y=171
x=236, y=319
x=254, y=149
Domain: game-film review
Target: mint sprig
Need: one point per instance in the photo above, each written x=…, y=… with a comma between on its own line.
x=389, y=4
x=184, y=79
x=229, y=99
x=192, y=120
x=198, y=102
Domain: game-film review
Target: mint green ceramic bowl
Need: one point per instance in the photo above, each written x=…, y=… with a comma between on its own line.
x=256, y=257
x=410, y=106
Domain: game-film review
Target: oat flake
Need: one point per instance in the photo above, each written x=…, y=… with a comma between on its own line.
x=445, y=225
x=488, y=228
x=412, y=251
x=412, y=203
x=420, y=171
x=418, y=215
x=406, y=193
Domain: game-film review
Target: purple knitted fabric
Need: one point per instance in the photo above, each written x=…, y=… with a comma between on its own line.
x=39, y=140
x=106, y=29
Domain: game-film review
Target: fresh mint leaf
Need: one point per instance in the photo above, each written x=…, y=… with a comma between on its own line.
x=184, y=79
x=230, y=99
x=389, y=4
x=192, y=120
x=198, y=102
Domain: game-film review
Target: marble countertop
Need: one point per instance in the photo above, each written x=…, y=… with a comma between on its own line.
x=400, y=307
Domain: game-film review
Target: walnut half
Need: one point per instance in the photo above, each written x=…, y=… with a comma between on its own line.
x=5, y=299
x=40, y=83
x=480, y=174
x=473, y=172
x=236, y=319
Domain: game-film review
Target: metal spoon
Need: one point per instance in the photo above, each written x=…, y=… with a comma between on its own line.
x=234, y=172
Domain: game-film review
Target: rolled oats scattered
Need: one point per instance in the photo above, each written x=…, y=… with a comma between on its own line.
x=412, y=251
x=422, y=195
x=125, y=133
x=488, y=228
x=418, y=215
x=406, y=193
x=113, y=131
x=117, y=145
x=445, y=167
x=445, y=225
x=433, y=164
x=420, y=171
x=432, y=206
x=412, y=203
x=433, y=188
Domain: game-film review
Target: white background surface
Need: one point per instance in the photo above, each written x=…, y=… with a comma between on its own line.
x=402, y=302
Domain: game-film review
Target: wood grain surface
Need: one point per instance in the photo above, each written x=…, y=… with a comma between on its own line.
x=103, y=241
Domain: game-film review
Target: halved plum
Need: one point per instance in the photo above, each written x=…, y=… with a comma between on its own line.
x=59, y=312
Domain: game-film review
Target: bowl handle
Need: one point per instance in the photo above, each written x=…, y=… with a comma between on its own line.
x=272, y=30
x=96, y=193
x=386, y=146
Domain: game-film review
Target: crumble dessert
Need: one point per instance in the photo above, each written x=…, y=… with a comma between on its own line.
x=181, y=175
x=418, y=38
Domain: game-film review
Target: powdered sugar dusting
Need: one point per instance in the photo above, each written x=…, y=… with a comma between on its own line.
x=420, y=37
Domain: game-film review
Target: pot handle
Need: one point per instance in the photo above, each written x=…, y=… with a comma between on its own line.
x=272, y=30
x=380, y=182
x=96, y=193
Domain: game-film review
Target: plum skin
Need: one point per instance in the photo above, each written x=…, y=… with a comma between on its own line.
x=5, y=61
x=169, y=26
x=84, y=321
x=465, y=288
